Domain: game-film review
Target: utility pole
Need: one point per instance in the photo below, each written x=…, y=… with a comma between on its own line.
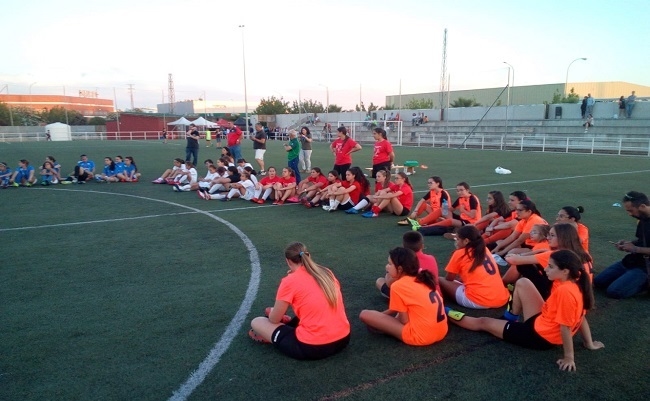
x=172, y=96
x=131, y=95
x=443, y=74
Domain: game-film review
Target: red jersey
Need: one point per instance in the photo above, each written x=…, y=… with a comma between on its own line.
x=381, y=152
x=469, y=203
x=234, y=137
x=321, y=179
x=564, y=307
x=406, y=198
x=319, y=322
x=268, y=180
x=342, y=148
x=355, y=195
x=428, y=262
x=286, y=181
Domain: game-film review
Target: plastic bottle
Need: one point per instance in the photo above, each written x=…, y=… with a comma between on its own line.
x=445, y=208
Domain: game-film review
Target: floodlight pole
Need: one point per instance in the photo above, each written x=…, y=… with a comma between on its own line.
x=243, y=52
x=509, y=86
x=566, y=82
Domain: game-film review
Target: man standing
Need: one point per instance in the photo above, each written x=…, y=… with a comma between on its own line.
x=629, y=104
x=259, y=146
x=192, y=148
x=590, y=104
x=629, y=276
x=235, y=136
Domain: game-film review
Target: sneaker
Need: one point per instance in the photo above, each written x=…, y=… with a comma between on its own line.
x=280, y=202
x=332, y=209
x=368, y=214
x=158, y=181
x=254, y=200
x=308, y=205
x=261, y=201
x=28, y=184
x=263, y=172
x=454, y=314
x=257, y=338
x=176, y=188
x=404, y=222
x=65, y=182
x=352, y=211
x=226, y=199
x=509, y=316
x=15, y=184
x=451, y=236
x=414, y=224
x=201, y=195
x=293, y=199
x=81, y=182
x=325, y=207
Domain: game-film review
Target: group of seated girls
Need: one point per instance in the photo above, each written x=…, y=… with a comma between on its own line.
x=118, y=170
x=24, y=175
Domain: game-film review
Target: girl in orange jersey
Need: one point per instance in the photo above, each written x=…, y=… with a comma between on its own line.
x=480, y=285
x=545, y=324
x=519, y=241
x=349, y=192
x=321, y=327
x=465, y=210
x=531, y=265
x=397, y=200
x=332, y=181
x=415, y=312
x=497, y=208
x=501, y=228
x=285, y=187
x=431, y=203
x=570, y=214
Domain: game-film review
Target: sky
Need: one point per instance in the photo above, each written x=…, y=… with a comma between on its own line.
x=349, y=49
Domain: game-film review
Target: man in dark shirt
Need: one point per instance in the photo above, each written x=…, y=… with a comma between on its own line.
x=629, y=276
x=259, y=146
x=192, y=148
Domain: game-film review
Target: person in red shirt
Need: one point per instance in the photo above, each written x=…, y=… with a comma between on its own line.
x=398, y=200
x=414, y=241
x=264, y=187
x=382, y=183
x=415, y=313
x=308, y=187
x=333, y=181
x=382, y=154
x=342, y=148
x=320, y=328
x=545, y=324
x=285, y=187
x=234, y=137
x=349, y=192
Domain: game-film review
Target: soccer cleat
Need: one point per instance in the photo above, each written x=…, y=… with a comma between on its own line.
x=352, y=211
x=404, y=222
x=226, y=199
x=260, y=201
x=81, y=182
x=414, y=224
x=368, y=214
x=308, y=205
x=254, y=200
x=326, y=208
x=280, y=202
x=257, y=338
x=176, y=188
x=509, y=316
x=454, y=314
x=201, y=195
x=262, y=172
x=15, y=184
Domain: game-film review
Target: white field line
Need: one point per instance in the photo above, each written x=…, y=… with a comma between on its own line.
x=219, y=348
x=552, y=179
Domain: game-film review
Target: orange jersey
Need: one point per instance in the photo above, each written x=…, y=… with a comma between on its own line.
x=435, y=199
x=427, y=322
x=543, y=258
x=583, y=234
x=541, y=246
x=483, y=285
x=469, y=203
x=524, y=226
x=564, y=307
x=319, y=322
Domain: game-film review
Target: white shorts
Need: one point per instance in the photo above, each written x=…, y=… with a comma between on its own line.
x=462, y=300
x=259, y=154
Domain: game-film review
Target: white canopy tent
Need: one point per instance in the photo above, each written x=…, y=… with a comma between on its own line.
x=202, y=122
x=59, y=131
x=180, y=121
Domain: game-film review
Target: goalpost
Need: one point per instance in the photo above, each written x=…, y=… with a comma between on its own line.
x=361, y=131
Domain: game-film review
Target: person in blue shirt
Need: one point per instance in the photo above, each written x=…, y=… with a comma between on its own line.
x=5, y=175
x=129, y=172
x=50, y=171
x=110, y=171
x=24, y=175
x=119, y=164
x=83, y=171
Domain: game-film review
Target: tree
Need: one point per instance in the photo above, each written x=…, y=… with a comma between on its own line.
x=26, y=116
x=272, y=106
x=5, y=115
x=97, y=121
x=463, y=102
x=360, y=108
x=388, y=107
x=371, y=107
x=334, y=108
x=558, y=98
x=419, y=104
x=306, y=106
x=59, y=115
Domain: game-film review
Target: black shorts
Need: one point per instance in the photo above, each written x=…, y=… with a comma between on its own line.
x=405, y=212
x=341, y=169
x=346, y=206
x=380, y=166
x=284, y=339
x=536, y=274
x=524, y=335
x=457, y=217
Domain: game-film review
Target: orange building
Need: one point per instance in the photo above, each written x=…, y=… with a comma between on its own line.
x=88, y=106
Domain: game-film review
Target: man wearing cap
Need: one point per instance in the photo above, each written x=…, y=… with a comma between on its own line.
x=192, y=148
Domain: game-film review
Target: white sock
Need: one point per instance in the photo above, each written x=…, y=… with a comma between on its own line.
x=232, y=193
x=216, y=188
x=362, y=203
x=267, y=193
x=334, y=203
x=186, y=188
x=217, y=196
x=257, y=194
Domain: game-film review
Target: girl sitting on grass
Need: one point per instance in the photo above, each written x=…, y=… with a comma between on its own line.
x=480, y=285
x=264, y=187
x=398, y=200
x=333, y=181
x=415, y=310
x=285, y=187
x=547, y=324
x=321, y=327
x=349, y=192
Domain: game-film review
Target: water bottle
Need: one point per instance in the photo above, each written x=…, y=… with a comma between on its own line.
x=445, y=208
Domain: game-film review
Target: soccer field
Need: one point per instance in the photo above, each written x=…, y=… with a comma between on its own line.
x=132, y=291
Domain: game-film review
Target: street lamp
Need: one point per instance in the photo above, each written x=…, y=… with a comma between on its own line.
x=243, y=53
x=327, y=99
x=566, y=82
